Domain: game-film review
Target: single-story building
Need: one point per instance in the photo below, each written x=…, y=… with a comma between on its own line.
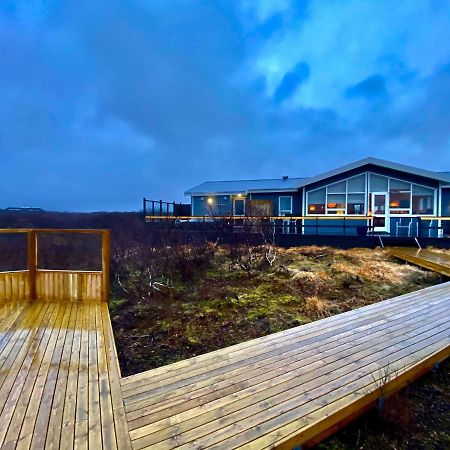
x=388, y=197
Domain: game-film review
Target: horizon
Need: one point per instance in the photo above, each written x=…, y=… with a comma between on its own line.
x=107, y=102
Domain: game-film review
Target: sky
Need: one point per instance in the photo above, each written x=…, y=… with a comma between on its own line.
x=103, y=102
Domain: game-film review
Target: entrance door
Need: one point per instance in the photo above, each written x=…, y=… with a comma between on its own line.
x=380, y=211
x=239, y=207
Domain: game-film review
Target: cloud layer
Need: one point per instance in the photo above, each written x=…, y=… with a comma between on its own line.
x=103, y=102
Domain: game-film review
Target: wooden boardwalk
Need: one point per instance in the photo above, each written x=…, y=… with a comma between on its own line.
x=60, y=382
x=293, y=387
x=437, y=261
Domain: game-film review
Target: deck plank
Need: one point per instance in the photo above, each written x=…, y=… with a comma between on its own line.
x=428, y=259
x=266, y=399
x=60, y=382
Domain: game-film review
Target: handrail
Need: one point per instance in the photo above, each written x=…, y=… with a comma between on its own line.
x=49, y=286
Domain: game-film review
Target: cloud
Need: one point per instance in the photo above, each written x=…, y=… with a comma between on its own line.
x=372, y=87
x=291, y=81
x=103, y=102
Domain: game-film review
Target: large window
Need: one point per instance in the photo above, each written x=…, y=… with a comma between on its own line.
x=404, y=197
x=344, y=197
x=422, y=200
x=350, y=197
x=316, y=201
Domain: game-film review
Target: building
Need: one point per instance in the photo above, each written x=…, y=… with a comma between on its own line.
x=368, y=195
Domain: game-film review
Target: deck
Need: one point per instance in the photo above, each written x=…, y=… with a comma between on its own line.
x=59, y=377
x=428, y=259
x=293, y=387
x=60, y=383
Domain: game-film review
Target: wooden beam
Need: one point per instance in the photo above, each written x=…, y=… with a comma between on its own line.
x=32, y=263
x=106, y=244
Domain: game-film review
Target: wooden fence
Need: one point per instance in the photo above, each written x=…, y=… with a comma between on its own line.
x=36, y=283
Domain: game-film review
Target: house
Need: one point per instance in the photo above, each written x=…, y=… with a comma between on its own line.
x=370, y=194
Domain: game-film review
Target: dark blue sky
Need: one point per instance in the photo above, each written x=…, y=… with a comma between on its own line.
x=105, y=101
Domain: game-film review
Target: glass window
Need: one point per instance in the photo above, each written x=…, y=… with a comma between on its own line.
x=335, y=202
x=357, y=184
x=316, y=202
x=378, y=183
x=399, y=197
x=355, y=204
x=422, y=200
x=398, y=185
x=337, y=187
x=285, y=205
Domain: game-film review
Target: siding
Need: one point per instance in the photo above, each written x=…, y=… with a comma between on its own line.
x=221, y=205
x=274, y=198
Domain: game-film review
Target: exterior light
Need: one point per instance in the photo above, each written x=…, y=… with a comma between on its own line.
x=239, y=195
x=210, y=201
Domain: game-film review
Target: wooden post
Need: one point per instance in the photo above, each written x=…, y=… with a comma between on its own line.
x=106, y=242
x=32, y=263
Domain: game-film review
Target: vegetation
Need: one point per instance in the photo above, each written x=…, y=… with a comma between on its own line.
x=171, y=303
x=171, y=300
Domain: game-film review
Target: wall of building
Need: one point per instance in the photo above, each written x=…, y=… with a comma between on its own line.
x=220, y=206
x=274, y=198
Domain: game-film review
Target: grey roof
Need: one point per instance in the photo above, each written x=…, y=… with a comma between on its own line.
x=292, y=184
x=246, y=186
x=441, y=176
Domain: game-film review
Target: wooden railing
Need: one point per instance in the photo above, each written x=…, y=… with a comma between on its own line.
x=36, y=283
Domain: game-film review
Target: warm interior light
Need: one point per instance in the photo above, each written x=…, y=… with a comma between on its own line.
x=210, y=201
x=332, y=205
x=394, y=204
x=312, y=208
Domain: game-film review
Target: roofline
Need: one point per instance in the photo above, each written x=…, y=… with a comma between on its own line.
x=376, y=162
x=247, y=191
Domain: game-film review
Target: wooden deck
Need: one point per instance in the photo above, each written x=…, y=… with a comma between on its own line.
x=59, y=377
x=60, y=383
x=429, y=259
x=293, y=387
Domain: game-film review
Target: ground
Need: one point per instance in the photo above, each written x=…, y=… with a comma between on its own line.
x=236, y=294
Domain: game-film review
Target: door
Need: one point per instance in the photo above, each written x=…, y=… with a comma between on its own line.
x=239, y=207
x=380, y=211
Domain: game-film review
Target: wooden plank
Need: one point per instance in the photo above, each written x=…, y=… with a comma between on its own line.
x=82, y=396
x=224, y=361
x=428, y=259
x=407, y=368
x=26, y=366
x=69, y=414
x=32, y=263
x=105, y=265
x=120, y=423
x=271, y=396
x=52, y=440
x=302, y=362
x=27, y=408
x=37, y=439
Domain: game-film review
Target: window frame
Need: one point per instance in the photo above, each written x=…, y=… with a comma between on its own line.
x=291, y=197
x=340, y=211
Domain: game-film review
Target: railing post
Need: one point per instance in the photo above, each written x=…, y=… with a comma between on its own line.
x=106, y=241
x=144, y=209
x=32, y=263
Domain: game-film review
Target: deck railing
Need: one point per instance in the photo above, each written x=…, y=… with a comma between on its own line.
x=35, y=283
x=424, y=226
